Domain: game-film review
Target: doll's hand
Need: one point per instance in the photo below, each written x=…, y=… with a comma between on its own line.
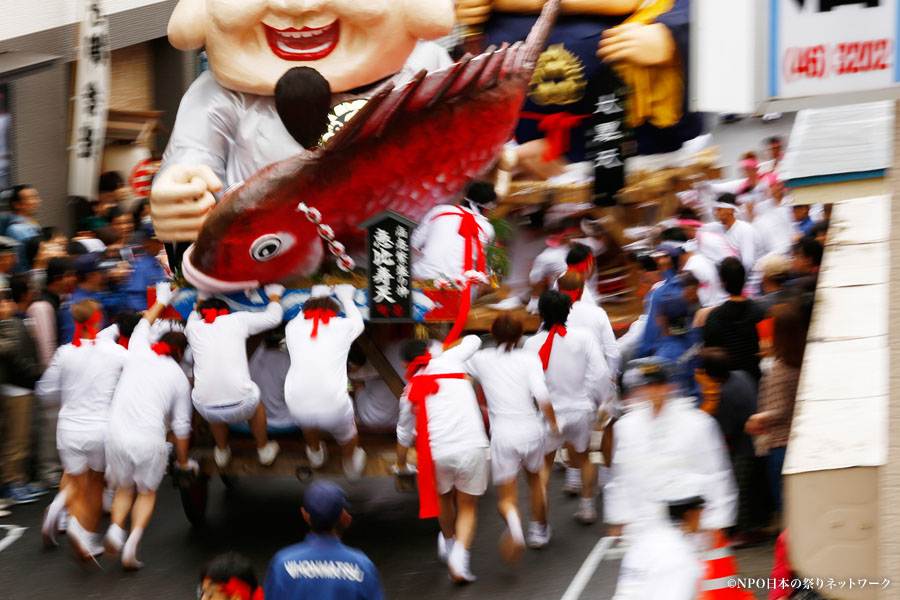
x=643, y=45
x=180, y=199
x=473, y=12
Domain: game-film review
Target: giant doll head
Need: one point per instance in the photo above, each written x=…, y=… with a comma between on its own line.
x=251, y=43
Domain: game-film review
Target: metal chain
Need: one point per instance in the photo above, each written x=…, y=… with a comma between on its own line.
x=344, y=262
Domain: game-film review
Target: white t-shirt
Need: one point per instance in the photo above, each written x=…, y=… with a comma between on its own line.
x=454, y=418
x=84, y=379
x=512, y=382
x=441, y=248
x=742, y=238
x=153, y=394
x=221, y=373
x=653, y=452
x=585, y=315
x=709, y=290
x=268, y=370
x=576, y=373
x=316, y=383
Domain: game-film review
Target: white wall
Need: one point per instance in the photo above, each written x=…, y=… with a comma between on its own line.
x=22, y=17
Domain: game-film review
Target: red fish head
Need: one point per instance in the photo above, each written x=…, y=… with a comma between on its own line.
x=250, y=239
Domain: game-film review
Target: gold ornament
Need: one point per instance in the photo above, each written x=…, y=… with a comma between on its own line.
x=558, y=79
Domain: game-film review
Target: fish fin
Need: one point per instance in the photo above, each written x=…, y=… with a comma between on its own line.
x=466, y=78
x=347, y=134
x=491, y=74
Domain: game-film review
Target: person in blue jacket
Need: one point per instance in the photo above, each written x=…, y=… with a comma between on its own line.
x=668, y=256
x=321, y=567
x=146, y=270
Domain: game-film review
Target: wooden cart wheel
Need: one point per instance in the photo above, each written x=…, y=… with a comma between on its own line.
x=194, y=493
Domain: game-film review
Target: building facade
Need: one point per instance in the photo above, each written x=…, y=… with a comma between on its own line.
x=147, y=74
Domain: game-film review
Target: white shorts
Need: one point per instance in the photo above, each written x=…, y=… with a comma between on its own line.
x=81, y=451
x=135, y=463
x=340, y=424
x=511, y=452
x=467, y=471
x=577, y=428
x=231, y=413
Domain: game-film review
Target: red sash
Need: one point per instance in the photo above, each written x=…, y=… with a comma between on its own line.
x=471, y=231
x=420, y=388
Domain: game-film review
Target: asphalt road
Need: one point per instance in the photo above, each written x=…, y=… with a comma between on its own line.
x=259, y=516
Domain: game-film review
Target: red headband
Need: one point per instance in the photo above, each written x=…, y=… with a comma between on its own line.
x=211, y=314
x=88, y=327
x=584, y=266
x=241, y=589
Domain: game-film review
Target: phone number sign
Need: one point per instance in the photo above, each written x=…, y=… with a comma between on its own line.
x=822, y=47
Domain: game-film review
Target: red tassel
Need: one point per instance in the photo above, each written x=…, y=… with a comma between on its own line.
x=558, y=131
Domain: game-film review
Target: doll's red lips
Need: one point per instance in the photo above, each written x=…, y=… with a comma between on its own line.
x=303, y=44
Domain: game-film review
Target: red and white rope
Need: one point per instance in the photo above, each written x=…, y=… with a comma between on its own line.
x=344, y=262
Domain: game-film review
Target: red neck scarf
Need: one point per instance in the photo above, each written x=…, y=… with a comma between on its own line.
x=575, y=295
x=241, y=589
x=162, y=348
x=545, y=350
x=558, y=129
x=420, y=388
x=123, y=341
x=318, y=315
x=418, y=363
x=211, y=314
x=88, y=329
x=470, y=231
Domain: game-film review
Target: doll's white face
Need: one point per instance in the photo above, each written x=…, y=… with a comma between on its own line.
x=251, y=43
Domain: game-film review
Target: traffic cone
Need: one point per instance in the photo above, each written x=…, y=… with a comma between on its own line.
x=721, y=570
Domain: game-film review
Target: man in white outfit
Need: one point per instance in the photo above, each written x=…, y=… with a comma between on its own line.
x=83, y=376
x=446, y=231
x=576, y=372
x=453, y=439
x=662, y=439
x=223, y=392
x=515, y=390
x=740, y=234
x=315, y=389
x=153, y=396
x=663, y=562
x=594, y=319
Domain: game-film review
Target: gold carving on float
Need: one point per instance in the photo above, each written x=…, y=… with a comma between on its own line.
x=558, y=79
x=339, y=115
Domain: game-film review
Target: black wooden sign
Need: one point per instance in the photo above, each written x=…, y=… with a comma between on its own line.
x=609, y=139
x=390, y=282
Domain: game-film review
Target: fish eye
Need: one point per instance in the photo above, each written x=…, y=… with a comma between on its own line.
x=269, y=246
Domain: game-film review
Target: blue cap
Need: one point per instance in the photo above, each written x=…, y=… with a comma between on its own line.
x=324, y=502
x=87, y=263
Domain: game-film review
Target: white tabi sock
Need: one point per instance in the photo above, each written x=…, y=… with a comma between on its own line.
x=129, y=551
x=515, y=526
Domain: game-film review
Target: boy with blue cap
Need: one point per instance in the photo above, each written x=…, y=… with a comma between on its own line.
x=321, y=566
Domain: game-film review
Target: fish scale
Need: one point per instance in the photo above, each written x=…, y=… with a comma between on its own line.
x=408, y=149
